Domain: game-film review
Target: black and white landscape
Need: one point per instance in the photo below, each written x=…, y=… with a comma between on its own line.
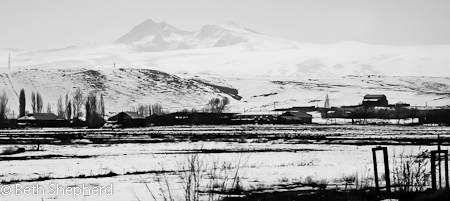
x=295, y=123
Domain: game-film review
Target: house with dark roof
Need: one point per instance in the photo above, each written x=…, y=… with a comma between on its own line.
x=42, y=120
x=254, y=118
x=128, y=119
x=189, y=118
x=372, y=100
x=298, y=108
x=297, y=117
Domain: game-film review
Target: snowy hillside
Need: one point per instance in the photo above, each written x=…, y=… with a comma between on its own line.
x=265, y=93
x=122, y=88
x=158, y=63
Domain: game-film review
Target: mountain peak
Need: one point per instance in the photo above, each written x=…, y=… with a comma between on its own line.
x=150, y=24
x=225, y=25
x=149, y=21
x=230, y=25
x=146, y=28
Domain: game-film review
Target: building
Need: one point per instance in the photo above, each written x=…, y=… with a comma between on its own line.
x=297, y=117
x=128, y=119
x=254, y=118
x=298, y=108
x=188, y=118
x=42, y=120
x=372, y=100
x=210, y=118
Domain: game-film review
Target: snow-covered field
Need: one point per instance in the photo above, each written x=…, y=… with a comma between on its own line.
x=260, y=165
x=158, y=63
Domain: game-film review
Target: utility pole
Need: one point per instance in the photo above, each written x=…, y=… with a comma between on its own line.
x=114, y=64
x=9, y=61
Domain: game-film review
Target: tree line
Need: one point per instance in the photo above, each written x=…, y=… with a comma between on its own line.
x=70, y=108
x=214, y=105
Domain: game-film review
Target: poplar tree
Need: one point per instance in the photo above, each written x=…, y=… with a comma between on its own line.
x=22, y=103
x=33, y=101
x=39, y=103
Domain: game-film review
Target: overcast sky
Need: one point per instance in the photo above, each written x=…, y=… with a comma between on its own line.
x=44, y=24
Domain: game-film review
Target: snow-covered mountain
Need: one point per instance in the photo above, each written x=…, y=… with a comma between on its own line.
x=150, y=36
x=227, y=49
x=158, y=63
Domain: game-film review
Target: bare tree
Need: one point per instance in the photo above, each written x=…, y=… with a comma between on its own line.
x=33, y=101
x=156, y=109
x=3, y=107
x=60, y=109
x=93, y=118
x=69, y=110
x=66, y=104
x=102, y=106
x=140, y=109
x=78, y=99
x=146, y=110
x=217, y=105
x=49, y=108
x=92, y=98
x=39, y=103
x=22, y=103
x=87, y=108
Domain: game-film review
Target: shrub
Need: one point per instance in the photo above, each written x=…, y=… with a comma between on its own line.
x=8, y=151
x=442, y=195
x=410, y=172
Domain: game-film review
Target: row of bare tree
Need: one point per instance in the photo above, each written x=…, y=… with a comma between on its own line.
x=215, y=105
x=94, y=106
x=148, y=110
x=69, y=109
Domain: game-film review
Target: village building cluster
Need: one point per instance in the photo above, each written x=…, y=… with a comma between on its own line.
x=372, y=106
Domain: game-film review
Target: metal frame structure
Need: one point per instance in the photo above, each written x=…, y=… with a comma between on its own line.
x=386, y=169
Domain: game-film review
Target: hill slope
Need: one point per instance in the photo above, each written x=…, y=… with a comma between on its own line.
x=158, y=63
x=124, y=88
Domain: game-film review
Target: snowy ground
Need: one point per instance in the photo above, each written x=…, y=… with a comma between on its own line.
x=261, y=165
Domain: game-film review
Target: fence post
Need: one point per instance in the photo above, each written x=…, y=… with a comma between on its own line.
x=386, y=169
x=375, y=169
x=433, y=168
